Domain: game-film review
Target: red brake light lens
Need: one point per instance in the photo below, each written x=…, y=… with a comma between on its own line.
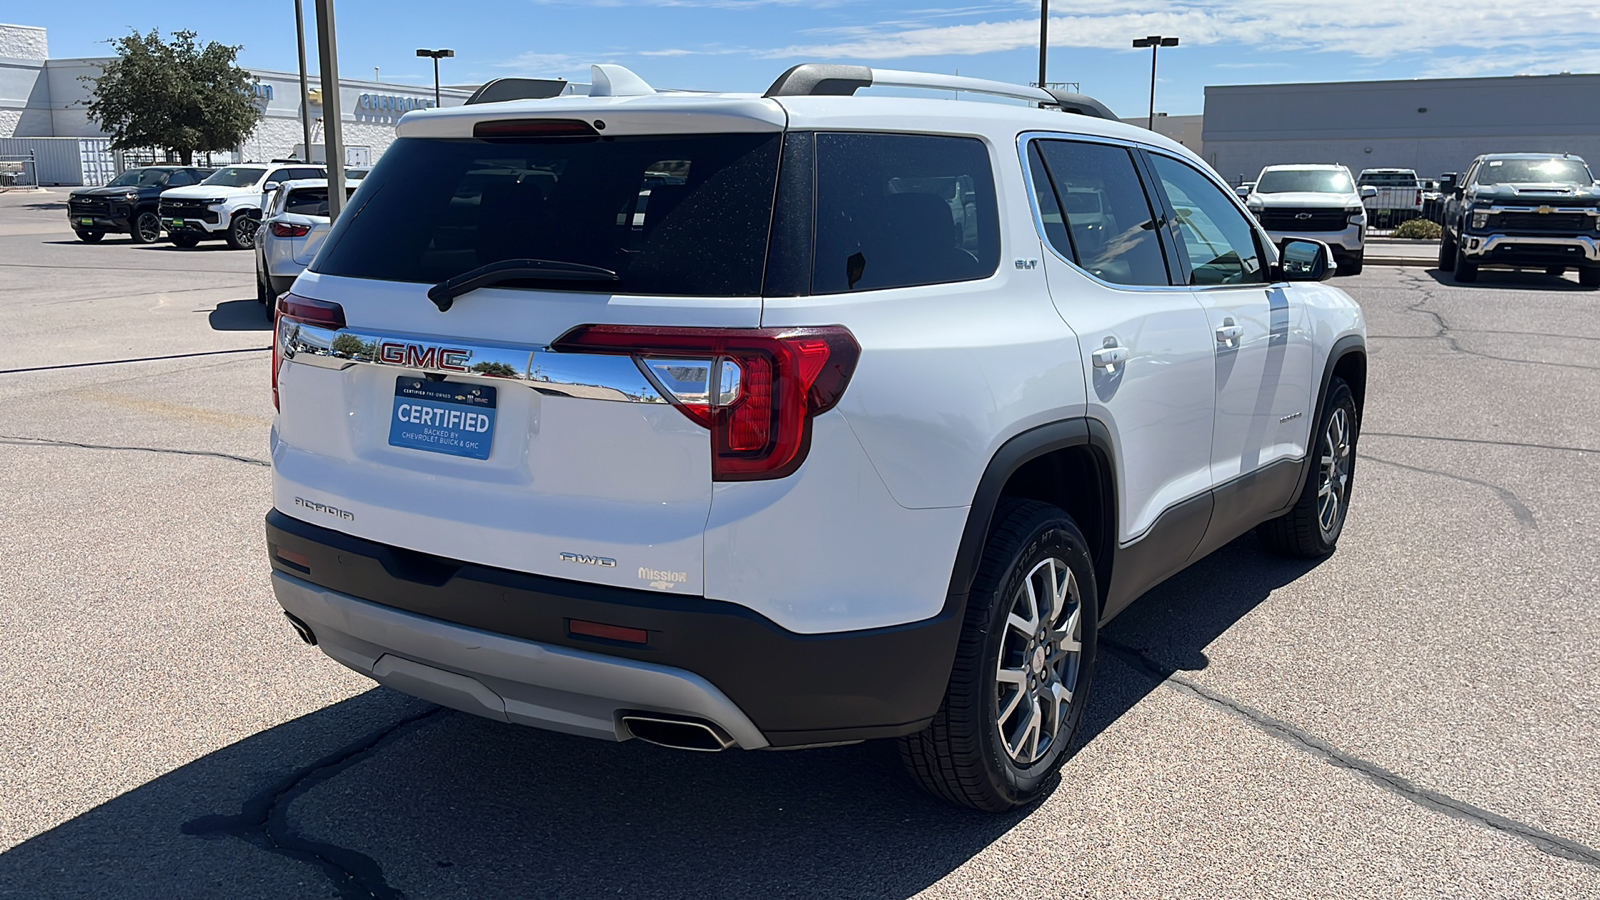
x=294, y=310
x=758, y=388
x=289, y=229
x=534, y=128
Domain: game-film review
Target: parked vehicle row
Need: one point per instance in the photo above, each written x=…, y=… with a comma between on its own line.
x=190, y=204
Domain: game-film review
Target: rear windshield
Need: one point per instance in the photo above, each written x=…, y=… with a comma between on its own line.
x=670, y=214
x=1315, y=181
x=1533, y=171
x=1389, y=179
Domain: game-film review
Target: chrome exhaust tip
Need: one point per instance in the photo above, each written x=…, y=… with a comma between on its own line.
x=302, y=629
x=679, y=734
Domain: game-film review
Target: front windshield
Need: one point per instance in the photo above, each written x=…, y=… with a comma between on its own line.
x=1533, y=171
x=1312, y=181
x=140, y=178
x=235, y=176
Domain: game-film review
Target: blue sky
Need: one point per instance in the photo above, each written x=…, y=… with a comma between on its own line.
x=743, y=44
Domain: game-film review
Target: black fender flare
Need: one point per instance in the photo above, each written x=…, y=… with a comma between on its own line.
x=1016, y=452
x=1350, y=344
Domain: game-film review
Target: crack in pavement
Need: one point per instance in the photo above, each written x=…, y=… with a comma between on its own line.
x=1518, y=508
x=139, y=359
x=1445, y=331
x=1460, y=440
x=263, y=820
x=1553, y=844
x=17, y=440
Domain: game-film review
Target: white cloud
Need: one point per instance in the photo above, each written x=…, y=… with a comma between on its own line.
x=1362, y=28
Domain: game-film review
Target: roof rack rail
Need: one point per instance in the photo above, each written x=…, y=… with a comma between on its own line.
x=827, y=80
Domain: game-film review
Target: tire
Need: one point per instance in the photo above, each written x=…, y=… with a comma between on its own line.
x=242, y=232
x=1308, y=531
x=186, y=241
x=1447, y=252
x=1353, y=263
x=261, y=287
x=145, y=228
x=1557, y=271
x=971, y=754
x=1465, y=272
x=91, y=237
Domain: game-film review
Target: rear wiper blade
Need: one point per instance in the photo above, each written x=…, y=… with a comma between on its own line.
x=444, y=293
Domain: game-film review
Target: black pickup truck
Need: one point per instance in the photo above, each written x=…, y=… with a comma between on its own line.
x=128, y=204
x=1522, y=211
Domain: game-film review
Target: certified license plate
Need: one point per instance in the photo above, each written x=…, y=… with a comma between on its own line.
x=85, y=221
x=443, y=417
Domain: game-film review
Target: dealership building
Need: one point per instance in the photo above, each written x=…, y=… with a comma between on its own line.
x=1430, y=125
x=44, y=111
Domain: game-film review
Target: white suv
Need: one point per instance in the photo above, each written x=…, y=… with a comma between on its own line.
x=724, y=420
x=1314, y=202
x=227, y=204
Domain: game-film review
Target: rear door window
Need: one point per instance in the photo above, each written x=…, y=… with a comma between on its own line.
x=897, y=210
x=1096, y=192
x=307, y=202
x=678, y=215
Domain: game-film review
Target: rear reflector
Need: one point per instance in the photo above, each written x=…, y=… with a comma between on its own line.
x=293, y=311
x=609, y=632
x=292, y=559
x=534, y=128
x=757, y=389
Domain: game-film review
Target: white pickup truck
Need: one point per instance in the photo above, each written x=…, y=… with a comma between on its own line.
x=1399, y=195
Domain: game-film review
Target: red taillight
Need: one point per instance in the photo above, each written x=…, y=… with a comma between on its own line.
x=289, y=229
x=292, y=311
x=759, y=388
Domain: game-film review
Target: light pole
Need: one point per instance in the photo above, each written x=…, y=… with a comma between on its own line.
x=1154, y=42
x=305, y=89
x=332, y=121
x=437, y=55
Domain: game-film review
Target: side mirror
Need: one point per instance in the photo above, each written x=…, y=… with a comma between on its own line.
x=1242, y=190
x=1369, y=192
x=1306, y=261
x=269, y=187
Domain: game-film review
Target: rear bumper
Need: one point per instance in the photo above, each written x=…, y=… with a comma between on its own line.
x=1530, y=250
x=790, y=689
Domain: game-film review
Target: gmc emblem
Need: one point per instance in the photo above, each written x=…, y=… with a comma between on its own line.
x=417, y=356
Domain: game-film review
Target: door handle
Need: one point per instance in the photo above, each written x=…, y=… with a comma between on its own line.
x=1228, y=333
x=1109, y=357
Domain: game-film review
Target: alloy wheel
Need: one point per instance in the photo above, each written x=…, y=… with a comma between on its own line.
x=148, y=227
x=1335, y=472
x=1039, y=663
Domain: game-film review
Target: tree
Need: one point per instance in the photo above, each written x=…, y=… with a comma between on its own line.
x=177, y=96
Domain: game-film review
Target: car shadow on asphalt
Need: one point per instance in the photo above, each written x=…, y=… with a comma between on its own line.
x=1498, y=279
x=1168, y=630
x=451, y=805
x=240, y=315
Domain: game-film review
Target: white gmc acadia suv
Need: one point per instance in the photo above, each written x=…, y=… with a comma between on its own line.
x=722, y=420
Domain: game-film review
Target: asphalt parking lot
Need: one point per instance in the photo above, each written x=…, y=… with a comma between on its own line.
x=1418, y=715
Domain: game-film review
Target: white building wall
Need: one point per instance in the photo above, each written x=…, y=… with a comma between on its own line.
x=23, y=42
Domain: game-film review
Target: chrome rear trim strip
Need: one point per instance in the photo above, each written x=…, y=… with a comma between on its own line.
x=583, y=375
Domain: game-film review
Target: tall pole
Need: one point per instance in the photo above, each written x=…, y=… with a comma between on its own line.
x=305, y=89
x=436, y=82
x=1044, y=38
x=332, y=116
x=1154, y=46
